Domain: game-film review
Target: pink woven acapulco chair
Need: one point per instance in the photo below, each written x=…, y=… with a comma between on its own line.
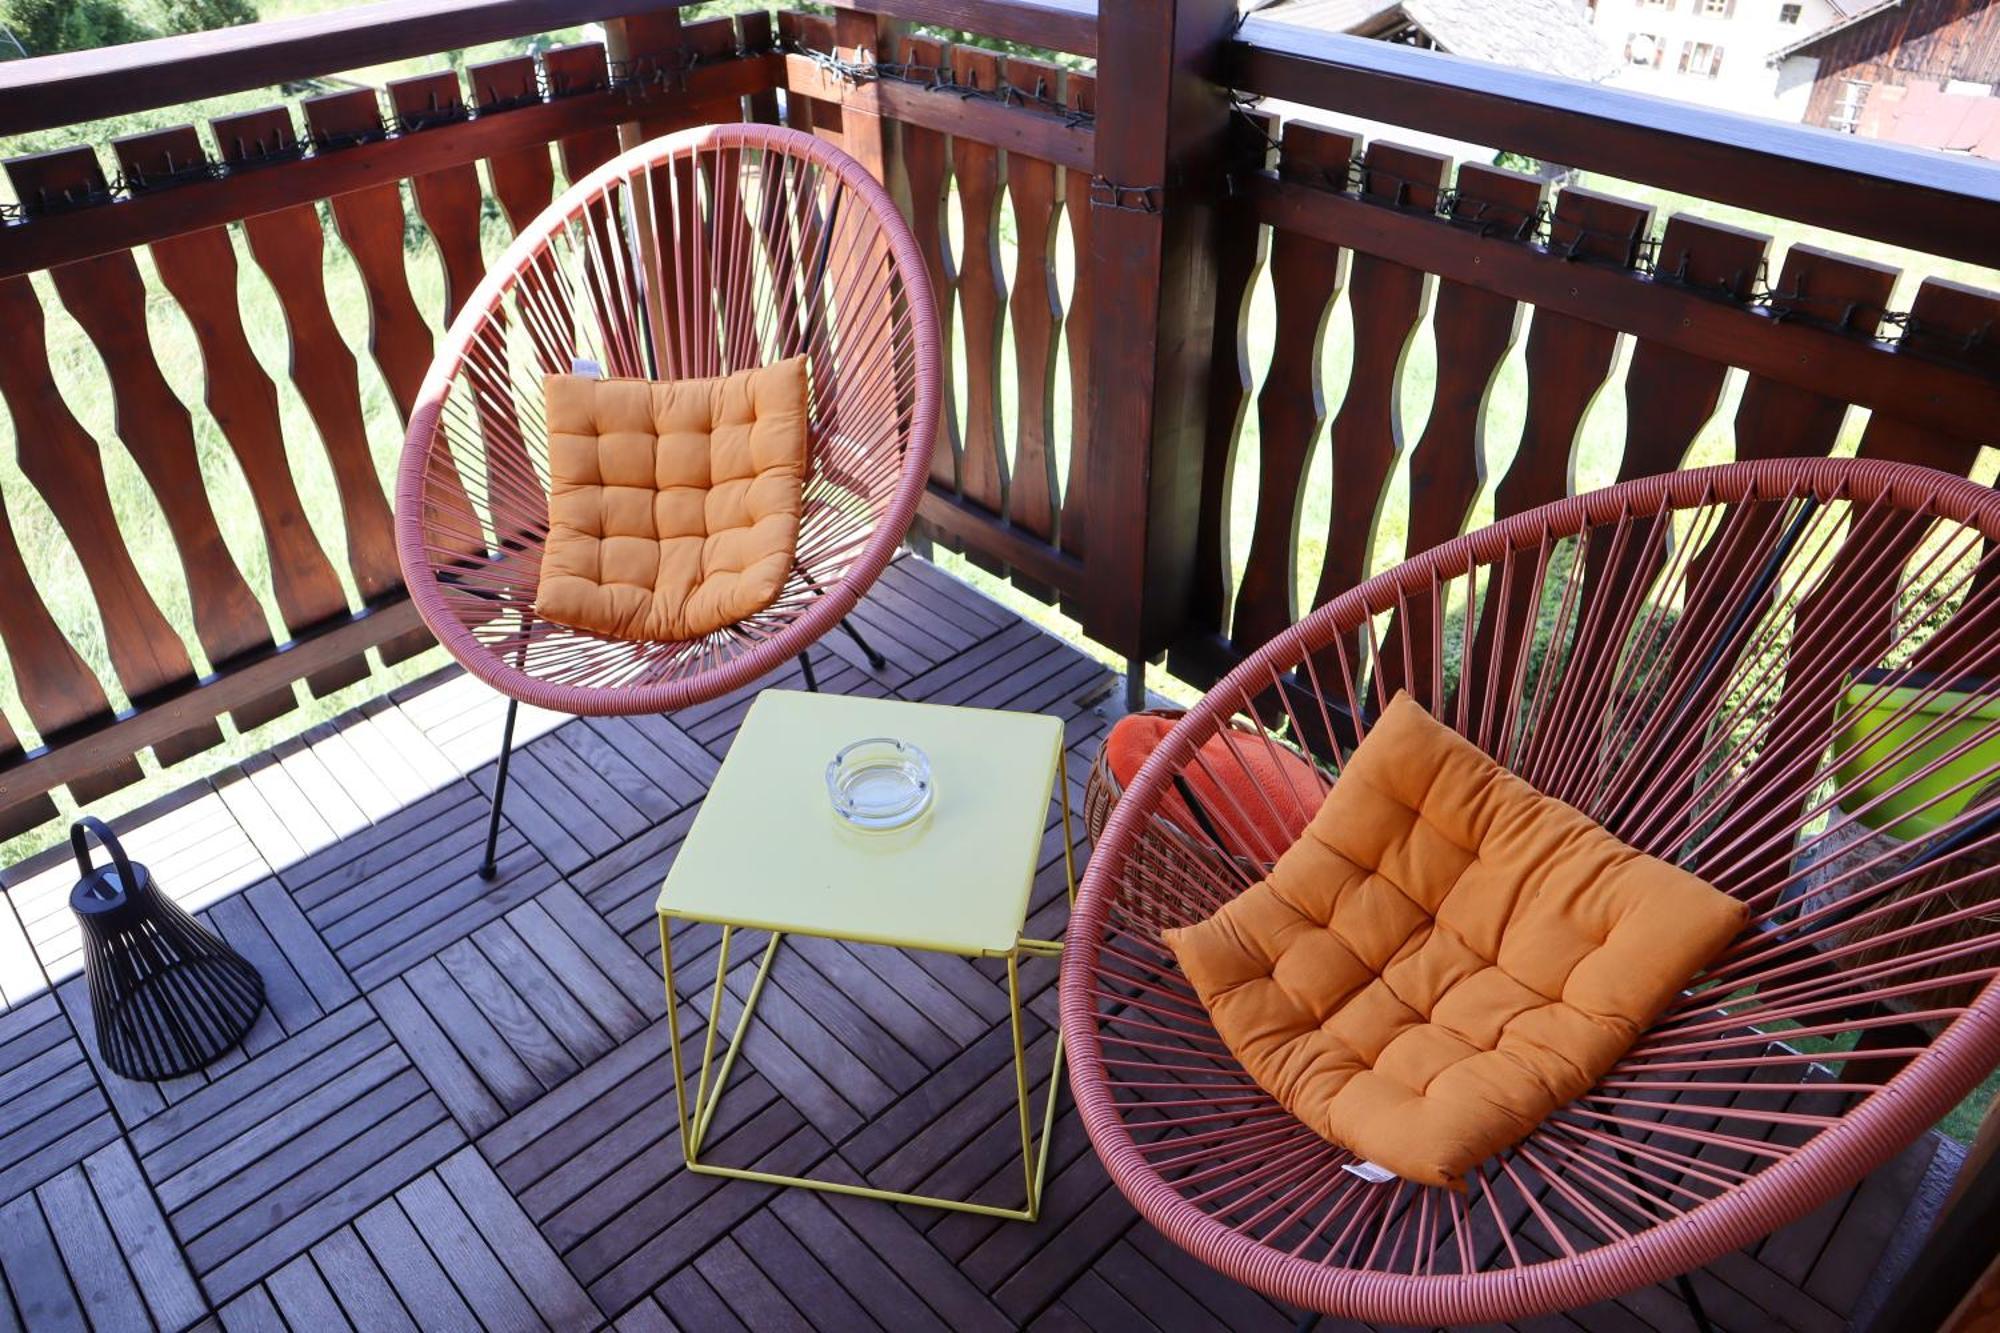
x=699, y=254
x=1784, y=676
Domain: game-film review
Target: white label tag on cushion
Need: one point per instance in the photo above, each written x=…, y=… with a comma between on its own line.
x=584, y=366
x=1370, y=1172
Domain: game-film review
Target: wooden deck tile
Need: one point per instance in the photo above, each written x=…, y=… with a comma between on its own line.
x=258, y=1164
x=449, y=1249
x=496, y=1019
x=463, y=717
x=53, y=1113
x=89, y=1244
x=624, y=885
x=411, y=886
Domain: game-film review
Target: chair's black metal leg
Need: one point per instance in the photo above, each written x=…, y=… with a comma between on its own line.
x=875, y=659
x=805, y=665
x=487, y=867
x=1693, y=1302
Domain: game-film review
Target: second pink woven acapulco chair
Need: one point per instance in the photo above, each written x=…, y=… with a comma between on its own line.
x=699, y=254
x=1784, y=676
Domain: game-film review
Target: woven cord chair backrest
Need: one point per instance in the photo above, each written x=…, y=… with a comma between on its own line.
x=1784, y=676
x=699, y=254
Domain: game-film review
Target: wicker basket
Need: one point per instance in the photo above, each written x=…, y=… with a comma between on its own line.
x=1101, y=792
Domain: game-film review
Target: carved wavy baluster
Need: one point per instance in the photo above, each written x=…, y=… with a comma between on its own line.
x=199, y=269
x=107, y=297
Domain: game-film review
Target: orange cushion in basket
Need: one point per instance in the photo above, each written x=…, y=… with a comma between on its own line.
x=1445, y=956
x=1240, y=785
x=673, y=507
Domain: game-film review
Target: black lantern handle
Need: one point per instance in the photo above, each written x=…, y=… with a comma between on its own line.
x=80, y=834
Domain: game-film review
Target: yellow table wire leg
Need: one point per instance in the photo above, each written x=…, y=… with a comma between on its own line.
x=714, y=1016
x=707, y=1112
x=1021, y=1079
x=674, y=1036
x=1048, y=1129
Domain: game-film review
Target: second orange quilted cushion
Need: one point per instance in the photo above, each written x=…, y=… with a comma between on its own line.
x=1445, y=956
x=673, y=506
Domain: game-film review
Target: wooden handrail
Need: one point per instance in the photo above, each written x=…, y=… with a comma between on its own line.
x=1835, y=364
x=50, y=91
x=145, y=218
x=1059, y=25
x=1943, y=205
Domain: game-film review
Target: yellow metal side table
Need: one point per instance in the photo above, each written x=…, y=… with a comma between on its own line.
x=766, y=852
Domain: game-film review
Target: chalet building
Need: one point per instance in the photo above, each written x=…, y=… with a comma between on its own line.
x=1921, y=72
x=1716, y=52
x=1547, y=36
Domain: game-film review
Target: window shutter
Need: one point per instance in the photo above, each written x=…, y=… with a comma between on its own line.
x=1729, y=9
x=1687, y=55
x=1715, y=62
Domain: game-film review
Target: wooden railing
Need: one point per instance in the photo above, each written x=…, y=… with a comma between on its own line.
x=267, y=173
x=1672, y=308
x=1098, y=234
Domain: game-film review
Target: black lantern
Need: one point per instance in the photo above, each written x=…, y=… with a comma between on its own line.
x=168, y=996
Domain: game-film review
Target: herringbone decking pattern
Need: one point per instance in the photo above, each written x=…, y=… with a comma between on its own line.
x=455, y=1112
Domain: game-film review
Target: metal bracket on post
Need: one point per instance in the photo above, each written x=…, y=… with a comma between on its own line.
x=1107, y=193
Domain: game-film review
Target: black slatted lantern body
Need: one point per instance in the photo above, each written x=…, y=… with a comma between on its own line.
x=168, y=996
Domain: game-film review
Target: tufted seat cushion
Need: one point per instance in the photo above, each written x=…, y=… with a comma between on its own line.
x=1445, y=956
x=673, y=506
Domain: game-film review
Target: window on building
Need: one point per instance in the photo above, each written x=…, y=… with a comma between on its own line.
x=1717, y=9
x=1846, y=113
x=1790, y=14
x=1701, y=58
x=1657, y=4
x=1645, y=49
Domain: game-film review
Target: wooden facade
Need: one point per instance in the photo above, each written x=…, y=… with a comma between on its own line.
x=1913, y=41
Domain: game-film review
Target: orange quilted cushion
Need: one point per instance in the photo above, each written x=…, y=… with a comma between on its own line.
x=1445, y=956
x=1240, y=786
x=673, y=507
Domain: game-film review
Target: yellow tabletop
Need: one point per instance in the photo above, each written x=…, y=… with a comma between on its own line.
x=766, y=850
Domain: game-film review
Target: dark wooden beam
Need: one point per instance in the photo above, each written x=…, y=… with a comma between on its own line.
x=1162, y=136
x=1036, y=134
x=90, y=748
x=63, y=238
x=1056, y=25
x=960, y=523
x=1958, y=402
x=49, y=91
x=1942, y=204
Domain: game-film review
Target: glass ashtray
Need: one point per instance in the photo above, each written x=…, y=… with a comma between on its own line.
x=880, y=783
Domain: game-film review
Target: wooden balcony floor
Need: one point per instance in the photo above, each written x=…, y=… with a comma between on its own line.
x=455, y=1112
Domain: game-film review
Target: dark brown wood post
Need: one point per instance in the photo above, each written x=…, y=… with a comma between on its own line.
x=1162, y=132
x=857, y=36
x=647, y=45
